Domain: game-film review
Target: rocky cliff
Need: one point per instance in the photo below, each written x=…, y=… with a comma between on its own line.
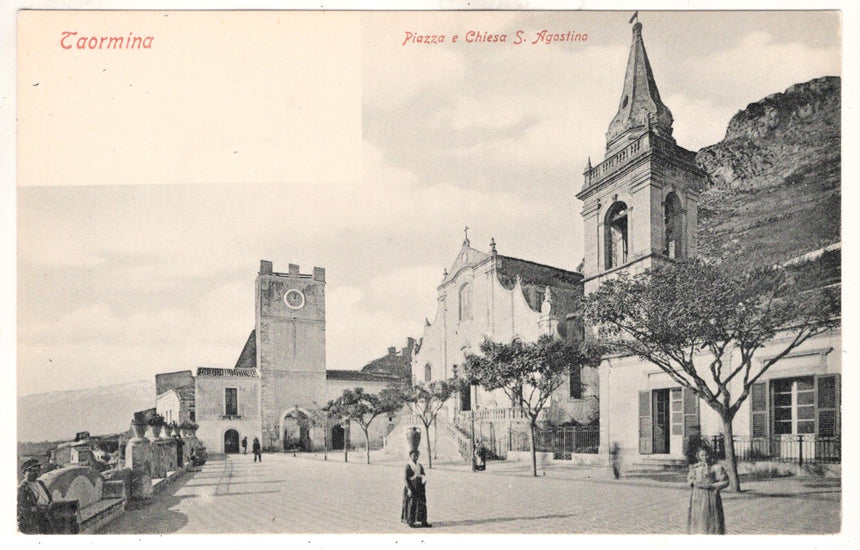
x=775, y=179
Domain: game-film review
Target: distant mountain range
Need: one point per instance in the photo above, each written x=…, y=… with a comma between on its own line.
x=775, y=178
x=104, y=410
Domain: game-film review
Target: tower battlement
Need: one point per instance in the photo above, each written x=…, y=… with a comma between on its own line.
x=267, y=268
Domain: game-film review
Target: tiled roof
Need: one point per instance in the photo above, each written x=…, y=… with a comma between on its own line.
x=240, y=373
x=534, y=273
x=565, y=286
x=395, y=363
x=359, y=376
x=248, y=357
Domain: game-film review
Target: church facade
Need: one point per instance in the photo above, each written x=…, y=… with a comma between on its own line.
x=486, y=294
x=280, y=381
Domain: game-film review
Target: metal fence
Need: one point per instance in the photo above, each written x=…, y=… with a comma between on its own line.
x=562, y=441
x=799, y=449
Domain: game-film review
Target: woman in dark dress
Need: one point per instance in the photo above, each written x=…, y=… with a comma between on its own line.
x=706, y=478
x=414, y=494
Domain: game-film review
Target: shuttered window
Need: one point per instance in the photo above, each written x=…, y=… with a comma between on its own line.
x=827, y=397
x=691, y=413
x=677, y=412
x=646, y=442
x=758, y=410
x=231, y=401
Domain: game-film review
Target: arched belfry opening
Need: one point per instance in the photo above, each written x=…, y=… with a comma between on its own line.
x=616, y=235
x=673, y=242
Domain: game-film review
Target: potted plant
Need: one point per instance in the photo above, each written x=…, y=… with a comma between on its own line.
x=139, y=427
x=156, y=422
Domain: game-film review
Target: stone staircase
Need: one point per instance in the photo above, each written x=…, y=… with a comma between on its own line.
x=451, y=443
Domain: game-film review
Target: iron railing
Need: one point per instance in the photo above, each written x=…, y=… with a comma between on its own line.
x=798, y=449
x=562, y=441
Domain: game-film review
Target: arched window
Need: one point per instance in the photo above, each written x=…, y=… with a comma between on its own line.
x=616, y=235
x=428, y=372
x=673, y=244
x=466, y=302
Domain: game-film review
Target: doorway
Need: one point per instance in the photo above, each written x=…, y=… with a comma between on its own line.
x=337, y=437
x=231, y=441
x=661, y=421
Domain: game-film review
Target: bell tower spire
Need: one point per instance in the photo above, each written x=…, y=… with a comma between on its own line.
x=640, y=107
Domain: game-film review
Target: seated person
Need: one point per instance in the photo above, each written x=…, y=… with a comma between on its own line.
x=33, y=501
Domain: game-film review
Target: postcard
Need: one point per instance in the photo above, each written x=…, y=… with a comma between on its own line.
x=432, y=272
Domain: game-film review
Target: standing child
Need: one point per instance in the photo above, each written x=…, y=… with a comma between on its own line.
x=706, y=478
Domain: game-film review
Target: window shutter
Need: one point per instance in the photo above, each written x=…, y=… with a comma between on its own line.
x=759, y=422
x=827, y=404
x=646, y=440
x=691, y=414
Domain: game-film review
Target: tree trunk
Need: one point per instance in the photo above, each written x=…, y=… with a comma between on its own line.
x=365, y=429
x=731, y=459
x=532, y=445
x=429, y=451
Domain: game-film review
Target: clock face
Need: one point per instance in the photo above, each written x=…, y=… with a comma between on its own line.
x=294, y=299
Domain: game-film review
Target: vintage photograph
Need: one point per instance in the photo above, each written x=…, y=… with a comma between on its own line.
x=422, y=273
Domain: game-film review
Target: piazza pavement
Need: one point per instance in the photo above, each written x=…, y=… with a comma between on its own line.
x=304, y=494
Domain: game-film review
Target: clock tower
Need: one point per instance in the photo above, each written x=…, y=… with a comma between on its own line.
x=290, y=341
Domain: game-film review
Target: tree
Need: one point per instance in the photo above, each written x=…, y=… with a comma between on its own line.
x=362, y=408
x=528, y=373
x=688, y=318
x=425, y=400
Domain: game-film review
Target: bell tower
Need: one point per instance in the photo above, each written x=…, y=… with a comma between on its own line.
x=640, y=202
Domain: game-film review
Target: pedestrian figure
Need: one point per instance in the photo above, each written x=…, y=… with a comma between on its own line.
x=479, y=464
x=33, y=501
x=706, y=478
x=244, y=445
x=257, y=450
x=414, y=493
x=615, y=459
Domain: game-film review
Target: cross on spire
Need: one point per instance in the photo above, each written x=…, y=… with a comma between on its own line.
x=466, y=232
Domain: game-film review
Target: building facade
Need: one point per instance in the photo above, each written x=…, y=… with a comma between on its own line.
x=640, y=211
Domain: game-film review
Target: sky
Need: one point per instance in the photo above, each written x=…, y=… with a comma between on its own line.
x=151, y=184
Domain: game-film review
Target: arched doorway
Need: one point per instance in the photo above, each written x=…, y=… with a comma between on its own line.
x=296, y=436
x=231, y=441
x=337, y=437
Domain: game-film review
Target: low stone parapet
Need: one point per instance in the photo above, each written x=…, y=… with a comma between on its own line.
x=97, y=501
